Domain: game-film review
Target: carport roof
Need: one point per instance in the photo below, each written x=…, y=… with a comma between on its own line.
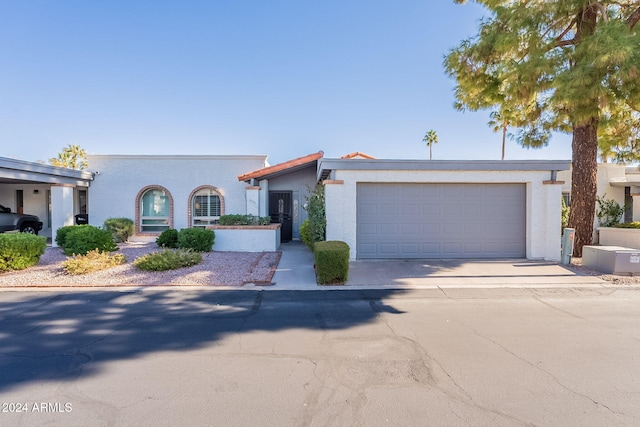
x=14, y=171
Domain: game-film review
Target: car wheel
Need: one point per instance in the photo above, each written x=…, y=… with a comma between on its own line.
x=29, y=229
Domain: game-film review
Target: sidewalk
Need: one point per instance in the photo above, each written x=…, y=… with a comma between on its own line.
x=295, y=272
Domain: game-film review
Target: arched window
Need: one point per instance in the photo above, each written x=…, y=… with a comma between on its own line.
x=155, y=211
x=206, y=207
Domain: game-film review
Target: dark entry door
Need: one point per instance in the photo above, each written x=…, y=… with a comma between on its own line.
x=280, y=211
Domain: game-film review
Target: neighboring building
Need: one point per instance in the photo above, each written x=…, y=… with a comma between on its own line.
x=54, y=194
x=617, y=182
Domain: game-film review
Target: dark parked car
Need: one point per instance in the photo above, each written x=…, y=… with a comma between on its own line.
x=10, y=221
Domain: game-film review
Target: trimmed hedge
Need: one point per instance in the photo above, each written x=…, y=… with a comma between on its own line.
x=196, y=239
x=634, y=224
x=332, y=262
x=238, y=219
x=80, y=239
x=20, y=250
x=121, y=228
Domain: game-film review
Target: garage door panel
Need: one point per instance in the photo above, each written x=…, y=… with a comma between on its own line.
x=410, y=250
x=408, y=192
x=411, y=209
x=388, y=248
x=430, y=209
x=389, y=209
x=410, y=229
x=365, y=229
x=390, y=229
x=441, y=220
x=451, y=249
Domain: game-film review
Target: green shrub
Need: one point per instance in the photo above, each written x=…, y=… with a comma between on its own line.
x=239, y=219
x=92, y=261
x=61, y=234
x=634, y=224
x=305, y=234
x=121, y=228
x=19, y=251
x=608, y=212
x=168, y=259
x=316, y=211
x=565, y=210
x=196, y=239
x=332, y=262
x=168, y=239
x=84, y=238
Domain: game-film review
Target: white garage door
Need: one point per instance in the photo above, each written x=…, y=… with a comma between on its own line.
x=441, y=220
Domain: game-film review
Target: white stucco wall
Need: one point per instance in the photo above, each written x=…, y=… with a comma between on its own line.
x=119, y=179
x=246, y=239
x=543, y=220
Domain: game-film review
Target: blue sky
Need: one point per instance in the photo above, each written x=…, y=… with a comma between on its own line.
x=282, y=78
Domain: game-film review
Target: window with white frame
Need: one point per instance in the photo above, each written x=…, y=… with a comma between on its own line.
x=155, y=211
x=205, y=208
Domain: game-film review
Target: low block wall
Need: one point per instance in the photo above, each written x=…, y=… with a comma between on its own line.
x=626, y=237
x=246, y=238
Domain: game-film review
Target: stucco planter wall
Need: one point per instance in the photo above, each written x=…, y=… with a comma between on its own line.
x=625, y=237
x=246, y=238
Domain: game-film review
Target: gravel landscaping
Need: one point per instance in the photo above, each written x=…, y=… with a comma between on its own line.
x=577, y=267
x=216, y=269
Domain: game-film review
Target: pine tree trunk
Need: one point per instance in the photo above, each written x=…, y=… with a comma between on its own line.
x=584, y=184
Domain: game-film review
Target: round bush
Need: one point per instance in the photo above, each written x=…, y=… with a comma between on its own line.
x=61, y=234
x=168, y=239
x=81, y=239
x=196, y=239
x=19, y=251
x=121, y=228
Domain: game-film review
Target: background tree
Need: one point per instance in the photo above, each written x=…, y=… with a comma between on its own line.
x=72, y=157
x=500, y=122
x=559, y=66
x=430, y=138
x=619, y=138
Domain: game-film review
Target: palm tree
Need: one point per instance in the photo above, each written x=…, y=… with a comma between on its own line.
x=430, y=138
x=72, y=157
x=499, y=122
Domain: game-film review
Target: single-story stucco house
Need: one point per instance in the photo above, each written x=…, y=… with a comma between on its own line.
x=381, y=208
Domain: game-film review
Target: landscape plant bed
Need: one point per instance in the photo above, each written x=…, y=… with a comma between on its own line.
x=216, y=269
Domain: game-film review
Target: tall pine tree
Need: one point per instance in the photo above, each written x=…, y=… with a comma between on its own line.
x=568, y=66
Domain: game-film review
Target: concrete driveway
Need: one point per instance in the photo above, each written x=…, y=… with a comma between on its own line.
x=295, y=272
x=465, y=273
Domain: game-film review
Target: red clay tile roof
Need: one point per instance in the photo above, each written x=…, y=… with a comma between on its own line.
x=280, y=167
x=357, y=154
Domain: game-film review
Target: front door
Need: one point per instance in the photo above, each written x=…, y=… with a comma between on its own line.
x=280, y=212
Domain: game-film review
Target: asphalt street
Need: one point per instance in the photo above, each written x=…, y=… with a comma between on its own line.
x=186, y=357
